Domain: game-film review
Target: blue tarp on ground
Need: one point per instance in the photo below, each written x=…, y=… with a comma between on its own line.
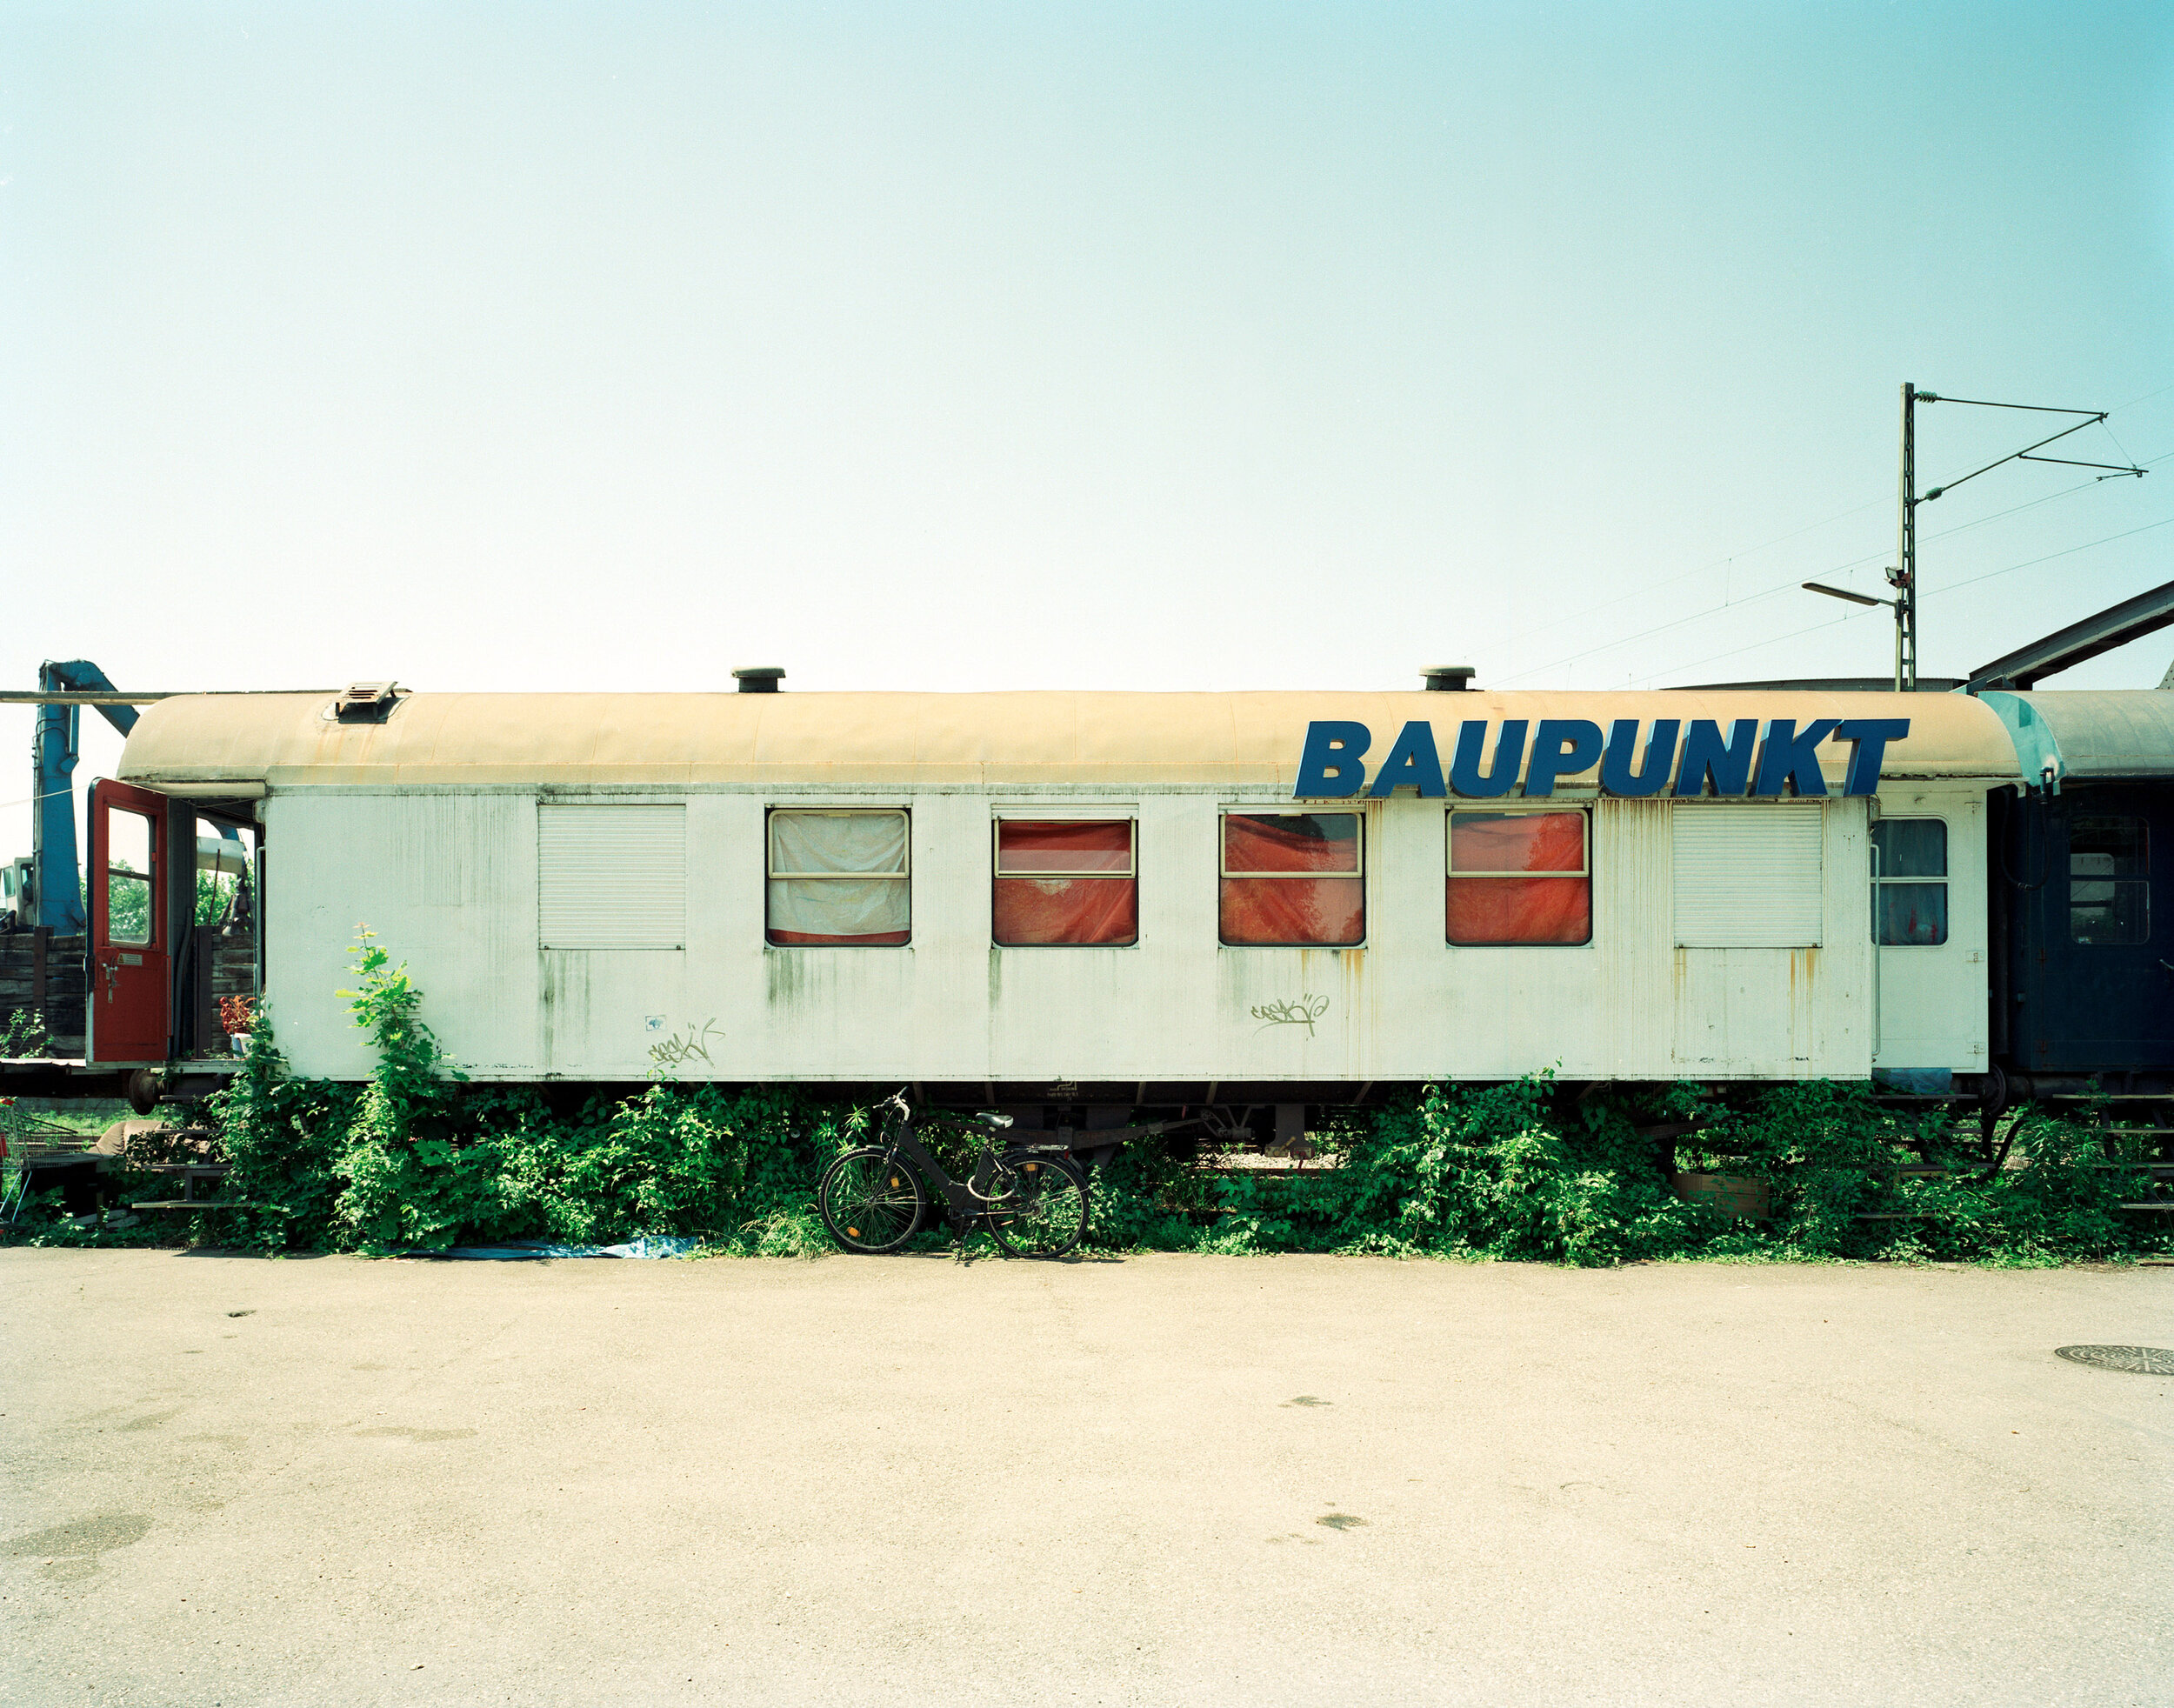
x=647, y=1245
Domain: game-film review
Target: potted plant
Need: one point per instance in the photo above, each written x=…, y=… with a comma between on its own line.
x=237, y=1014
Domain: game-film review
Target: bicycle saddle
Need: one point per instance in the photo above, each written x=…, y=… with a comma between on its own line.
x=987, y=1119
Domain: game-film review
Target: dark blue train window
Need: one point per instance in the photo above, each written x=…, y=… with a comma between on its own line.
x=2108, y=881
x=1910, y=893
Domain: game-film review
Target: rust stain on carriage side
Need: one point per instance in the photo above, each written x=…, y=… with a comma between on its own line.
x=1803, y=976
x=1360, y=1019
x=1803, y=1011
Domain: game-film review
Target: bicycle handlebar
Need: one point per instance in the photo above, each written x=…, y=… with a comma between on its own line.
x=987, y=1117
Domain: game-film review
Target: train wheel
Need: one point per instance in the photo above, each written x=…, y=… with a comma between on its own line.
x=1040, y=1209
x=869, y=1200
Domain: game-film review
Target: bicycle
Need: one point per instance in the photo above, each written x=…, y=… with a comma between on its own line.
x=873, y=1198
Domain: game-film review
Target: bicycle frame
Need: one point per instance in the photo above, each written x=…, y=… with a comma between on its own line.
x=965, y=1201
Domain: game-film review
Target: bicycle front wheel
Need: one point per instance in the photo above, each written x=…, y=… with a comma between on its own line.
x=869, y=1201
x=1039, y=1208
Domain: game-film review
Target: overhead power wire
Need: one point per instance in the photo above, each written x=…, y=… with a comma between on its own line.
x=1838, y=569
x=1696, y=569
x=2118, y=446
x=1754, y=646
x=2146, y=399
x=1852, y=616
x=31, y=800
x=2036, y=408
x=1887, y=552
x=1726, y=558
x=2069, y=551
x=1778, y=587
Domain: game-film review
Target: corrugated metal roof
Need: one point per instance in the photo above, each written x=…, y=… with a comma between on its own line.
x=2110, y=733
x=988, y=740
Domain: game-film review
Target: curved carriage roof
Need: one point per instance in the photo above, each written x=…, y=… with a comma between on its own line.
x=2110, y=733
x=194, y=743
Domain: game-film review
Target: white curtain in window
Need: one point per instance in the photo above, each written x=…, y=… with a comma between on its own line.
x=841, y=842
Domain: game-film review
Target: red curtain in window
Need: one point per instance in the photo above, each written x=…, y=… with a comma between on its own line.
x=1330, y=911
x=819, y=940
x=1041, y=895
x=1026, y=847
x=1519, y=910
x=1518, y=842
x=1067, y=909
x=1309, y=842
x=1326, y=910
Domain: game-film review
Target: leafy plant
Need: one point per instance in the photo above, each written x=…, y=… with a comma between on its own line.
x=22, y=1035
x=418, y=1157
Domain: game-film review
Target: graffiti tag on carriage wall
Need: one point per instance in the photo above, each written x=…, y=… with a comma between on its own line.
x=684, y=1046
x=1637, y=757
x=1305, y=1011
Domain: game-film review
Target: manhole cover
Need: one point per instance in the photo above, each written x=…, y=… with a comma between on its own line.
x=2139, y=1360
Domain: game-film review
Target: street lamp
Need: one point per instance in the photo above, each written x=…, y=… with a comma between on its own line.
x=1895, y=605
x=1844, y=593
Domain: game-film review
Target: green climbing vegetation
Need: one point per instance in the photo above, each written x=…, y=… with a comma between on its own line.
x=1522, y=1171
x=418, y=1157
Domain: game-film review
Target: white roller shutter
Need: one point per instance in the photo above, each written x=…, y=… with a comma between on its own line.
x=1748, y=877
x=612, y=876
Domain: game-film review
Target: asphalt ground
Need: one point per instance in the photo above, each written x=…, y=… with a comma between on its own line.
x=1159, y=1480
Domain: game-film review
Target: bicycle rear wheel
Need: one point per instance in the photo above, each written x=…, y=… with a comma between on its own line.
x=1039, y=1208
x=869, y=1201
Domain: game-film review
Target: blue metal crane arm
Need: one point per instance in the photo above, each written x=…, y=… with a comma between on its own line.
x=80, y=676
x=57, y=888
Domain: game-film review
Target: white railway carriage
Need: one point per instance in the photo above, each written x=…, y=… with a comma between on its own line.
x=1121, y=900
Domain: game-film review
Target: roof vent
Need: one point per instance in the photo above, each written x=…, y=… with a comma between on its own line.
x=1447, y=678
x=365, y=702
x=759, y=679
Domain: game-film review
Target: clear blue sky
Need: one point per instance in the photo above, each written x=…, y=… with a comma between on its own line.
x=612, y=346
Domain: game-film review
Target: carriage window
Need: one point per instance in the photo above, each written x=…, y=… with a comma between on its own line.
x=839, y=878
x=1909, y=891
x=2108, y=881
x=1066, y=882
x=1294, y=878
x=127, y=877
x=1519, y=877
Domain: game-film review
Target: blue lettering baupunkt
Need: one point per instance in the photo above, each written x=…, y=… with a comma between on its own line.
x=1333, y=765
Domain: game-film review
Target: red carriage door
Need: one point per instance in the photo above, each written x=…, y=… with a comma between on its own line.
x=131, y=939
